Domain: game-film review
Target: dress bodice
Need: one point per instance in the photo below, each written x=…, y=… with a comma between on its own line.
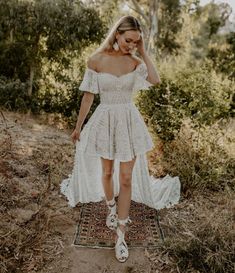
x=116, y=131
x=115, y=89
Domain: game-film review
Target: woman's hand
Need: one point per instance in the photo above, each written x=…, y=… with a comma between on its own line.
x=76, y=135
x=141, y=45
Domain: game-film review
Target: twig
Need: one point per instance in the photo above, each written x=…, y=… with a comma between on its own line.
x=159, y=226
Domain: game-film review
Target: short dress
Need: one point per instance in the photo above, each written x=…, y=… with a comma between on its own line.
x=116, y=131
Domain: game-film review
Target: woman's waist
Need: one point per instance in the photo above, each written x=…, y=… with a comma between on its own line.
x=116, y=98
x=117, y=105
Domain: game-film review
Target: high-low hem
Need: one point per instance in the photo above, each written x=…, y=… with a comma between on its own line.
x=84, y=184
x=117, y=131
x=116, y=156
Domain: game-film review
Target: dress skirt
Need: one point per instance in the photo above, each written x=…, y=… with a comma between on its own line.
x=117, y=132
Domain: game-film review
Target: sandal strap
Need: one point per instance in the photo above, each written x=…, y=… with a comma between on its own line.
x=121, y=247
x=113, y=215
x=111, y=202
x=112, y=210
x=125, y=221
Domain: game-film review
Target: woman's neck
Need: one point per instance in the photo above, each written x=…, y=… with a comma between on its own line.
x=117, y=53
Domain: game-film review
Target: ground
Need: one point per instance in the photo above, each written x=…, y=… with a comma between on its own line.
x=38, y=226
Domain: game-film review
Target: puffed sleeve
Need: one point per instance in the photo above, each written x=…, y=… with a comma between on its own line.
x=140, y=78
x=90, y=81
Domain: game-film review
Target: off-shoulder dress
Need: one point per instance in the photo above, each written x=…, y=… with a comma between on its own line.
x=116, y=130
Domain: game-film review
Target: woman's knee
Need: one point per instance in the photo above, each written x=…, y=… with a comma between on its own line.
x=125, y=179
x=107, y=173
x=107, y=168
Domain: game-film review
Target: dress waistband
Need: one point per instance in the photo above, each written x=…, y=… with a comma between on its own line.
x=120, y=106
x=117, y=104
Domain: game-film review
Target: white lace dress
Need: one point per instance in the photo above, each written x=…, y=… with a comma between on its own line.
x=116, y=130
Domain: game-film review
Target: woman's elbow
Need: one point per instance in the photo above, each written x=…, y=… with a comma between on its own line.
x=88, y=97
x=156, y=82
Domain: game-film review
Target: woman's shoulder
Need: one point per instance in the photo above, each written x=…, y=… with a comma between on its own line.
x=136, y=60
x=93, y=60
x=96, y=59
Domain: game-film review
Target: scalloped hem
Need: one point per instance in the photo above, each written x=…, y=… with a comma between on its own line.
x=119, y=157
x=84, y=184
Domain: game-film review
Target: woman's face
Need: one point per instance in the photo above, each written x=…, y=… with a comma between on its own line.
x=128, y=40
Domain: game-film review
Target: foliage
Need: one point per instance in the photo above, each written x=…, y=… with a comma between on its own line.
x=33, y=30
x=170, y=23
x=203, y=159
x=39, y=34
x=160, y=105
x=207, y=34
x=67, y=103
x=13, y=95
x=222, y=53
x=205, y=244
x=191, y=92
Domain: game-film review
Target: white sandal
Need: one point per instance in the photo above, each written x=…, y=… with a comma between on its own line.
x=111, y=219
x=121, y=248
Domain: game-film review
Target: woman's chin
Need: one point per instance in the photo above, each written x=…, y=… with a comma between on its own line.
x=124, y=51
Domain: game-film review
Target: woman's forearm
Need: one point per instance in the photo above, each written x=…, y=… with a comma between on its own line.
x=85, y=106
x=153, y=75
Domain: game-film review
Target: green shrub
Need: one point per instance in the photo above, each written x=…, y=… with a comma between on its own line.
x=194, y=92
x=200, y=160
x=13, y=95
x=161, y=106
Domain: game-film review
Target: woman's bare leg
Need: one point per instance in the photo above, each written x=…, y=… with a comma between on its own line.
x=107, y=177
x=124, y=198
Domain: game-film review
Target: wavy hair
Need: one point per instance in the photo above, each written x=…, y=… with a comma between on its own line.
x=125, y=23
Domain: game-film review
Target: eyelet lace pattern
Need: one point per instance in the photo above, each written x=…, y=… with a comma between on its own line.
x=117, y=131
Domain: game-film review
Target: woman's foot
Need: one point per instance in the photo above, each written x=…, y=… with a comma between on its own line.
x=121, y=248
x=111, y=219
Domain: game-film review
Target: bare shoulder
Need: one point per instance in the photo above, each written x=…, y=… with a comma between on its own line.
x=93, y=60
x=137, y=60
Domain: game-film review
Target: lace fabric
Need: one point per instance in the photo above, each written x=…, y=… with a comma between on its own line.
x=93, y=81
x=89, y=82
x=116, y=131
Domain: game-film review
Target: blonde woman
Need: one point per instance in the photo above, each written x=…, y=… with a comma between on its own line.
x=110, y=159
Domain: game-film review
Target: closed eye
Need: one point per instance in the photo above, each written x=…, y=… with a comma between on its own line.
x=133, y=42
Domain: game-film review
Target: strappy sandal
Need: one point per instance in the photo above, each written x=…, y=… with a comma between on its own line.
x=121, y=248
x=111, y=219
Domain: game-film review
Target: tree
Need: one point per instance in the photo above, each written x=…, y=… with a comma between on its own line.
x=33, y=30
x=161, y=21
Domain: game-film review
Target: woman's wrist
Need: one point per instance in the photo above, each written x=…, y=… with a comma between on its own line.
x=78, y=127
x=144, y=55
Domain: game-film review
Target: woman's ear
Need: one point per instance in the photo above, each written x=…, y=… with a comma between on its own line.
x=117, y=35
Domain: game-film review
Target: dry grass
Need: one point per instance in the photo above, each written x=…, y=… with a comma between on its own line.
x=200, y=230
x=33, y=216
x=205, y=159
x=201, y=237
x=35, y=219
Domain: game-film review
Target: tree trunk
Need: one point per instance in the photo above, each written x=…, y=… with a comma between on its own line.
x=31, y=76
x=153, y=29
x=151, y=23
x=30, y=87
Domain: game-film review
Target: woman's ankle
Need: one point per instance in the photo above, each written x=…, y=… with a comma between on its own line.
x=111, y=202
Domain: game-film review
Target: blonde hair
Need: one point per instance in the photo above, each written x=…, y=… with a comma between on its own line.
x=125, y=23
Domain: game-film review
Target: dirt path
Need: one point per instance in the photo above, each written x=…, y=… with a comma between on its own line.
x=38, y=228
x=37, y=155
x=85, y=260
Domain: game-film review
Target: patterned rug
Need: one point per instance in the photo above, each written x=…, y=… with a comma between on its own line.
x=143, y=232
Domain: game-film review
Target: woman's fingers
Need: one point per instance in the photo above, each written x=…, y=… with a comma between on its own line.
x=75, y=136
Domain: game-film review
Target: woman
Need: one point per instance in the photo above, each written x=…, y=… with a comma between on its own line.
x=112, y=145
